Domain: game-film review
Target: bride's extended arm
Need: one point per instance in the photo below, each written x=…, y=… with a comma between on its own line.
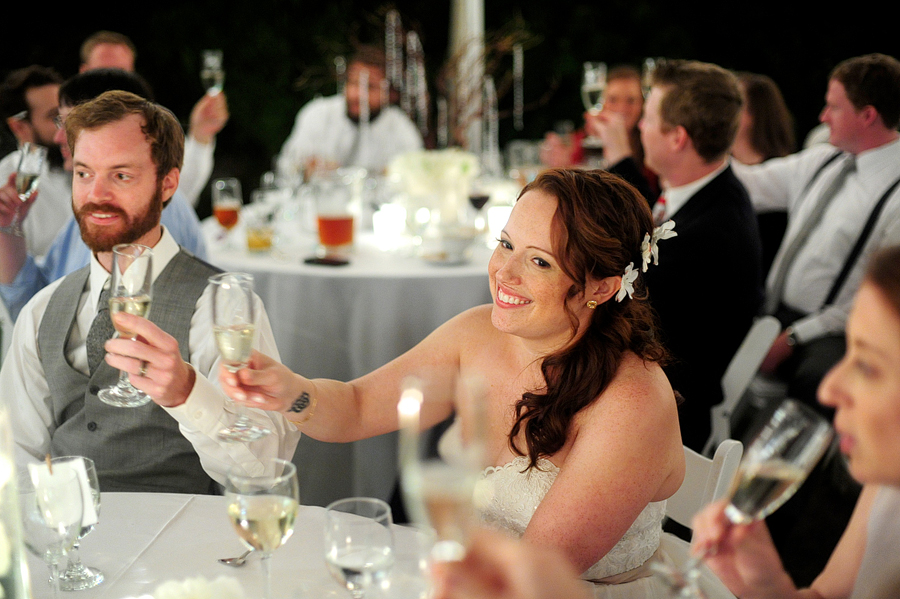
x=335, y=411
x=627, y=452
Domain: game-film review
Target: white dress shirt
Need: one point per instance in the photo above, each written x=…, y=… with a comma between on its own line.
x=779, y=184
x=198, y=166
x=205, y=412
x=323, y=130
x=50, y=210
x=676, y=197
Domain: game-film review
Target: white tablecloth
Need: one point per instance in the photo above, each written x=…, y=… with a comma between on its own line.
x=343, y=322
x=145, y=539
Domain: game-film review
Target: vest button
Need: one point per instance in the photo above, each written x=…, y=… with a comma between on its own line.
x=92, y=426
x=94, y=389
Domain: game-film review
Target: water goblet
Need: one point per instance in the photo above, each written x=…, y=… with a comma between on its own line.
x=359, y=543
x=52, y=509
x=212, y=75
x=774, y=466
x=234, y=327
x=77, y=576
x=130, y=291
x=441, y=480
x=263, y=509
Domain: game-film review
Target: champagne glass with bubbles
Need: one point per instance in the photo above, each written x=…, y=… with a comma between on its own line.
x=130, y=291
x=359, y=543
x=52, y=506
x=77, y=576
x=234, y=327
x=28, y=172
x=593, y=89
x=774, y=466
x=263, y=509
x=212, y=75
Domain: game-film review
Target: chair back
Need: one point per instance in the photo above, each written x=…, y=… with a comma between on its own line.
x=705, y=480
x=737, y=377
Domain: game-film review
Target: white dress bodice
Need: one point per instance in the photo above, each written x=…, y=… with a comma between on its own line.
x=516, y=493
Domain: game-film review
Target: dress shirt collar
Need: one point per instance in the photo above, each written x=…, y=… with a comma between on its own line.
x=676, y=197
x=163, y=251
x=879, y=167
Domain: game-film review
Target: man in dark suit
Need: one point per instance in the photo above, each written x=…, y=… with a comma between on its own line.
x=707, y=287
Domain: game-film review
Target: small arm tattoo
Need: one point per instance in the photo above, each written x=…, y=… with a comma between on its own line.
x=301, y=403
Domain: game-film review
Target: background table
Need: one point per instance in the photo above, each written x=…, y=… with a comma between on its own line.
x=145, y=539
x=343, y=322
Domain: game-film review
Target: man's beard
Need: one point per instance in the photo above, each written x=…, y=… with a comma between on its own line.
x=100, y=239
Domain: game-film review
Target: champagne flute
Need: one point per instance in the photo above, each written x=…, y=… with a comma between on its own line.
x=212, y=75
x=130, y=291
x=77, y=576
x=593, y=88
x=359, y=543
x=262, y=510
x=441, y=482
x=28, y=173
x=774, y=466
x=234, y=327
x=52, y=509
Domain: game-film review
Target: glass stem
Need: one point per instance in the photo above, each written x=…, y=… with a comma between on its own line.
x=267, y=575
x=54, y=579
x=74, y=558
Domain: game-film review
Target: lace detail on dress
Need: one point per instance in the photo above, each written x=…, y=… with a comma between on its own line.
x=515, y=495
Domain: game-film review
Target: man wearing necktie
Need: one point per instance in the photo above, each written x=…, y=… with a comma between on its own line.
x=127, y=153
x=830, y=192
x=708, y=278
x=843, y=203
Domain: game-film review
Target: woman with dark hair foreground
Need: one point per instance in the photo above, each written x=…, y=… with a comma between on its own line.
x=583, y=436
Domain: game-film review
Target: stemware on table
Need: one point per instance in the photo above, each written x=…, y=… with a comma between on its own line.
x=263, y=509
x=77, y=576
x=52, y=507
x=227, y=200
x=234, y=327
x=130, y=291
x=774, y=466
x=359, y=543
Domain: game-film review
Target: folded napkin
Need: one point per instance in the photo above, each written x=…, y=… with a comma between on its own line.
x=223, y=587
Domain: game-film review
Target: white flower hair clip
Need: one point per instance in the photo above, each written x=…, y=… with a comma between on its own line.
x=650, y=247
x=628, y=279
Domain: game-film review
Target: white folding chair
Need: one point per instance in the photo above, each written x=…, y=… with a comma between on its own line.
x=737, y=377
x=705, y=480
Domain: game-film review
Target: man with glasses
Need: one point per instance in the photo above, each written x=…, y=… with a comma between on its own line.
x=29, y=105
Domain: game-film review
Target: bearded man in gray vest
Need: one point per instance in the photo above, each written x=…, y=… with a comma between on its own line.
x=127, y=155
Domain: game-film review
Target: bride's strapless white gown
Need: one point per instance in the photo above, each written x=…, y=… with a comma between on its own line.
x=514, y=495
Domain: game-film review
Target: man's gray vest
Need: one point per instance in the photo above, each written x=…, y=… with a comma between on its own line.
x=134, y=449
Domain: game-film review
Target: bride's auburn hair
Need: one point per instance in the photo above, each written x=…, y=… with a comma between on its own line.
x=597, y=230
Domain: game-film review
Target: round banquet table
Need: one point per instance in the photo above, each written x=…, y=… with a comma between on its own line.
x=341, y=322
x=145, y=539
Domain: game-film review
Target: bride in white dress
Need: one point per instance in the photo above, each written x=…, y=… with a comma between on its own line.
x=582, y=423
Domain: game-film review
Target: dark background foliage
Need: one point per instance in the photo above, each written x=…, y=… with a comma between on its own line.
x=278, y=52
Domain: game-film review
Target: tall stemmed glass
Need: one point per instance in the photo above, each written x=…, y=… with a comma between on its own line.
x=593, y=88
x=77, y=576
x=227, y=201
x=52, y=508
x=212, y=75
x=130, y=291
x=28, y=172
x=234, y=326
x=440, y=480
x=774, y=466
x=263, y=509
x=359, y=543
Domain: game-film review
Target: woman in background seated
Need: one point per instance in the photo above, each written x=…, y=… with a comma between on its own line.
x=583, y=434
x=864, y=389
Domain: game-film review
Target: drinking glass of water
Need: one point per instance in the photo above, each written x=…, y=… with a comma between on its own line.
x=359, y=543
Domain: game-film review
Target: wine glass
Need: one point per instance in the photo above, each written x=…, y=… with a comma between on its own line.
x=647, y=70
x=77, y=576
x=440, y=480
x=52, y=507
x=774, y=466
x=226, y=202
x=359, y=543
x=28, y=172
x=593, y=88
x=263, y=508
x=234, y=327
x=130, y=291
x=212, y=75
